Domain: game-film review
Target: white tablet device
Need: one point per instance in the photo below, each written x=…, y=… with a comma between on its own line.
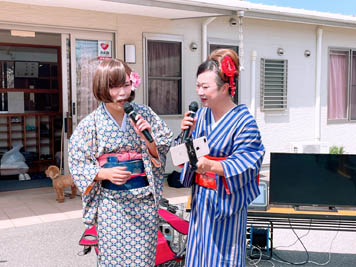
x=179, y=153
x=261, y=202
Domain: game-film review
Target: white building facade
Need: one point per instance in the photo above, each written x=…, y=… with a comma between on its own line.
x=312, y=100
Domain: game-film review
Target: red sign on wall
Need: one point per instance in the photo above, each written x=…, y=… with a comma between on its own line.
x=104, y=49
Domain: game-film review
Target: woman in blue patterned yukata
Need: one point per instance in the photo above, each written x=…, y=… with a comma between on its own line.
x=122, y=204
x=225, y=181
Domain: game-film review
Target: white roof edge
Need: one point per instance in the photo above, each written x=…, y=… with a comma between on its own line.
x=271, y=10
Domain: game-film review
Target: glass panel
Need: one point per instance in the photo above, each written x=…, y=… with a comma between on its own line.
x=164, y=76
x=164, y=98
x=6, y=77
x=353, y=87
x=69, y=77
x=338, y=84
x=25, y=66
x=217, y=46
x=10, y=70
x=87, y=62
x=164, y=59
x=29, y=67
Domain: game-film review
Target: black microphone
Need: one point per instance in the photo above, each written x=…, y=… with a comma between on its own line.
x=128, y=108
x=193, y=107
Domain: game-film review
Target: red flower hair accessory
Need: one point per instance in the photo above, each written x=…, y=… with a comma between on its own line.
x=229, y=69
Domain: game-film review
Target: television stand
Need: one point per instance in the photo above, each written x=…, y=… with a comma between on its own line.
x=316, y=208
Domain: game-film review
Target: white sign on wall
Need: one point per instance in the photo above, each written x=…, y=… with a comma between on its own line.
x=26, y=69
x=104, y=49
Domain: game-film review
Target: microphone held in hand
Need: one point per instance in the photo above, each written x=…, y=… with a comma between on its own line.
x=193, y=107
x=128, y=108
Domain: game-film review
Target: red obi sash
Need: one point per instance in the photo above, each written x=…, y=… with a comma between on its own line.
x=208, y=179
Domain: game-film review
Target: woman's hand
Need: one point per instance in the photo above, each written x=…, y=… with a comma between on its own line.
x=206, y=165
x=141, y=125
x=116, y=175
x=203, y=165
x=188, y=122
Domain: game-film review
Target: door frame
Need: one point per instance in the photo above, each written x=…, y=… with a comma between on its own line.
x=71, y=33
x=92, y=36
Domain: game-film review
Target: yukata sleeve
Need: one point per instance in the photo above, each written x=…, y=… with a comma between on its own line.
x=83, y=167
x=162, y=136
x=187, y=175
x=82, y=163
x=244, y=164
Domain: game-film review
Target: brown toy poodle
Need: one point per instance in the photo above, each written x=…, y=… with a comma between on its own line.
x=60, y=182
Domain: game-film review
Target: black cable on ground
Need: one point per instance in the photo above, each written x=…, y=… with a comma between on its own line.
x=306, y=251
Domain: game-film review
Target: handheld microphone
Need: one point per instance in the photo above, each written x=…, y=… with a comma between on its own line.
x=128, y=108
x=193, y=107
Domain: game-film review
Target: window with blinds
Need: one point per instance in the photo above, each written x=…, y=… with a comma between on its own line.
x=274, y=84
x=163, y=65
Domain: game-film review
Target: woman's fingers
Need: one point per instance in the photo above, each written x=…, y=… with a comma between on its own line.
x=121, y=171
x=141, y=124
x=120, y=175
x=187, y=122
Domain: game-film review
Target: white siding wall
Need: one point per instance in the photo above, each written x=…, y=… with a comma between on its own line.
x=340, y=134
x=297, y=123
x=278, y=129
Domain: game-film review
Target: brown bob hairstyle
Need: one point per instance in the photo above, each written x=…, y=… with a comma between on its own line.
x=213, y=63
x=109, y=74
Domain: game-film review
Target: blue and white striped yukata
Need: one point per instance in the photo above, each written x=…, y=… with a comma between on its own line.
x=217, y=229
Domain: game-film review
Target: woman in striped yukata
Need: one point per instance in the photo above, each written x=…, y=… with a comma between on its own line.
x=121, y=200
x=225, y=181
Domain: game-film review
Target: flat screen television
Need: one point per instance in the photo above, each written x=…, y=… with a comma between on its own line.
x=327, y=180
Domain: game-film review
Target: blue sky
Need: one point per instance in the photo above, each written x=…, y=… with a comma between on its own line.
x=346, y=7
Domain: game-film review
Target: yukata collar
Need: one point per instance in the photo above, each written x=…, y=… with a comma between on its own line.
x=123, y=124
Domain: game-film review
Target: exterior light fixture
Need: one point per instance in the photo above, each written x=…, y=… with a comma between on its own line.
x=193, y=46
x=280, y=51
x=23, y=33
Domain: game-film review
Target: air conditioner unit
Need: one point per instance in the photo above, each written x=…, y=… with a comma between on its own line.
x=309, y=147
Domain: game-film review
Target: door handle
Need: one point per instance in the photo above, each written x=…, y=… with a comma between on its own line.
x=65, y=124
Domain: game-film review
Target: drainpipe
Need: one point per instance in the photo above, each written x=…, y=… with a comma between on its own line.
x=240, y=15
x=204, y=30
x=253, y=83
x=319, y=41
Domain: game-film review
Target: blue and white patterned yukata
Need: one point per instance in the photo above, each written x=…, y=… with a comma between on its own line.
x=127, y=220
x=217, y=229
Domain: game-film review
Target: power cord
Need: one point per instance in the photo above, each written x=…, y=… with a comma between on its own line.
x=255, y=262
x=304, y=235
x=299, y=239
x=329, y=254
x=280, y=259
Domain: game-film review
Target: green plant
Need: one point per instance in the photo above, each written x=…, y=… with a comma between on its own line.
x=336, y=150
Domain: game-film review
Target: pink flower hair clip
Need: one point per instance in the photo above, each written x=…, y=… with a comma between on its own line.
x=135, y=80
